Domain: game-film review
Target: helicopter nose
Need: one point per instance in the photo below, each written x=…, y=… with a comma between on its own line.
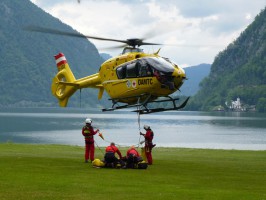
x=179, y=76
x=179, y=73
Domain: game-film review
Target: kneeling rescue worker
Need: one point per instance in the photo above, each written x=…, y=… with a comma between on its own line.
x=133, y=157
x=88, y=133
x=110, y=158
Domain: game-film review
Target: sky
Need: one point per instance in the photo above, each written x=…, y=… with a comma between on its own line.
x=194, y=31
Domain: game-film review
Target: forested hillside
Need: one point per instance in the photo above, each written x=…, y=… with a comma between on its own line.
x=26, y=58
x=238, y=71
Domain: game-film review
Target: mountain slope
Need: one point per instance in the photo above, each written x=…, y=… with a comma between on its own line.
x=238, y=71
x=26, y=58
x=195, y=74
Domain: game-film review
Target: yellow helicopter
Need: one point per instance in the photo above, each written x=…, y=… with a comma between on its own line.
x=134, y=78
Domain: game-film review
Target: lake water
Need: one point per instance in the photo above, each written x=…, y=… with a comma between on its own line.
x=215, y=130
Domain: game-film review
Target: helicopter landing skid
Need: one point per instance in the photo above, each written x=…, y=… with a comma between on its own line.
x=115, y=105
x=146, y=110
x=143, y=106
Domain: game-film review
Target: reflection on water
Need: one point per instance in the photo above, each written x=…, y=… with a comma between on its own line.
x=172, y=129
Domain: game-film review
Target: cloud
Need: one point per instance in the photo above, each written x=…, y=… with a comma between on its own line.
x=200, y=28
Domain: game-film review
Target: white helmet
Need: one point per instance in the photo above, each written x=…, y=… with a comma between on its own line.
x=88, y=121
x=146, y=127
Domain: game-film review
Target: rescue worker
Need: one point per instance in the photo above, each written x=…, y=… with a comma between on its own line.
x=133, y=157
x=109, y=157
x=88, y=133
x=148, y=143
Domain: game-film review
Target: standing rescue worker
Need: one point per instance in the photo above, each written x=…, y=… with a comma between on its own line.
x=109, y=156
x=148, y=143
x=88, y=133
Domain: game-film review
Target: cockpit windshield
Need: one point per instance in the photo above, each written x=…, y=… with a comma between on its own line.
x=145, y=67
x=160, y=64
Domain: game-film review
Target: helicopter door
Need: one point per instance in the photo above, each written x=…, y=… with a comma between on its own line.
x=121, y=72
x=127, y=82
x=127, y=71
x=132, y=71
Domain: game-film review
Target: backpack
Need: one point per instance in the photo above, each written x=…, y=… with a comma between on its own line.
x=142, y=165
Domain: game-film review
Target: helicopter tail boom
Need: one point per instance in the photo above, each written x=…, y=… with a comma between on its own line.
x=64, y=84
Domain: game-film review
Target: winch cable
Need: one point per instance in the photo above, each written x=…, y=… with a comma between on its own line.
x=138, y=113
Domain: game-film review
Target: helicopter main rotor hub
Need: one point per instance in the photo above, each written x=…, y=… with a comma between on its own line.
x=134, y=42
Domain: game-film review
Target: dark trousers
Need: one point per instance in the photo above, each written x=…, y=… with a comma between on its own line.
x=112, y=161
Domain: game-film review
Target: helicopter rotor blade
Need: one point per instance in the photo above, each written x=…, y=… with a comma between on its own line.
x=148, y=43
x=130, y=42
x=193, y=45
x=52, y=31
x=66, y=33
x=113, y=47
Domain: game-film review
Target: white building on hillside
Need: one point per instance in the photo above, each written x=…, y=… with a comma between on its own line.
x=236, y=105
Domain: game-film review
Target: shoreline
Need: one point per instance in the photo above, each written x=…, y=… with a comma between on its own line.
x=127, y=146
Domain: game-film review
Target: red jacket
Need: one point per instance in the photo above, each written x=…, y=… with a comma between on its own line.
x=114, y=150
x=133, y=151
x=148, y=136
x=88, y=133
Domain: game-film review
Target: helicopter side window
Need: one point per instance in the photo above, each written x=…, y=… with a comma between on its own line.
x=121, y=72
x=132, y=70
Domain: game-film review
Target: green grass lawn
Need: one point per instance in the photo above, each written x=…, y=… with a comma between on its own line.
x=59, y=172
